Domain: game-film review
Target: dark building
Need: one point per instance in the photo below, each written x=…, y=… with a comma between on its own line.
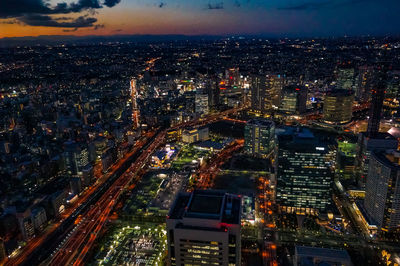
x=378, y=95
x=304, y=175
x=373, y=139
x=213, y=93
x=294, y=100
x=259, y=136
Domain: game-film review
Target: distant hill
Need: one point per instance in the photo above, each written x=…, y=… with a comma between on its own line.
x=94, y=39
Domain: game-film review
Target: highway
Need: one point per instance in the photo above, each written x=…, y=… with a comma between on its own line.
x=74, y=246
x=39, y=248
x=208, y=172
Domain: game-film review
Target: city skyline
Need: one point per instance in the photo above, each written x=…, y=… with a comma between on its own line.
x=295, y=18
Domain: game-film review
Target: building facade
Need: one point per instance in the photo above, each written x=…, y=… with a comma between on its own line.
x=338, y=106
x=382, y=200
x=203, y=227
x=266, y=92
x=304, y=175
x=294, y=100
x=195, y=134
x=259, y=135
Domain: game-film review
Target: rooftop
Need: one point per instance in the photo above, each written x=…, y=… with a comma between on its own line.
x=340, y=92
x=261, y=122
x=390, y=158
x=322, y=252
x=207, y=204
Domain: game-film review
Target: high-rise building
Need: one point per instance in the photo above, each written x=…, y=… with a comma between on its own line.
x=201, y=102
x=304, y=175
x=259, y=136
x=232, y=77
x=76, y=157
x=382, y=198
x=373, y=139
x=393, y=90
x=212, y=88
x=345, y=76
x=203, y=227
x=378, y=95
x=266, y=92
x=294, y=100
x=365, y=145
x=338, y=106
x=364, y=86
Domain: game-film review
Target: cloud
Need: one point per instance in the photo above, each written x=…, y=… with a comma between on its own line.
x=39, y=12
x=219, y=5
x=10, y=21
x=111, y=3
x=68, y=30
x=48, y=21
x=98, y=26
x=320, y=5
x=162, y=4
x=16, y=8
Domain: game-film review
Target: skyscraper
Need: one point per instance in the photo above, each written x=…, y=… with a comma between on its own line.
x=345, y=76
x=373, y=139
x=304, y=175
x=266, y=92
x=338, y=105
x=203, y=227
x=213, y=93
x=232, y=77
x=76, y=157
x=135, y=108
x=378, y=95
x=294, y=100
x=259, y=137
x=201, y=102
x=365, y=145
x=363, y=91
x=382, y=199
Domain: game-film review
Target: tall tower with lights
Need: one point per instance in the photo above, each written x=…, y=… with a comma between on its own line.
x=135, y=109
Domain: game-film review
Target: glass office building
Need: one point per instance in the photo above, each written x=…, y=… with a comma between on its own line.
x=304, y=175
x=259, y=137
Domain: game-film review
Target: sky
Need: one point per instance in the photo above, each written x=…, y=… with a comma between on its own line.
x=292, y=18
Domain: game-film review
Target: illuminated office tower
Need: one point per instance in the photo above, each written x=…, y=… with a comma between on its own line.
x=364, y=86
x=201, y=102
x=304, y=175
x=259, y=136
x=382, y=198
x=232, y=77
x=76, y=157
x=294, y=100
x=203, y=228
x=373, y=139
x=393, y=90
x=345, y=76
x=338, y=106
x=266, y=92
